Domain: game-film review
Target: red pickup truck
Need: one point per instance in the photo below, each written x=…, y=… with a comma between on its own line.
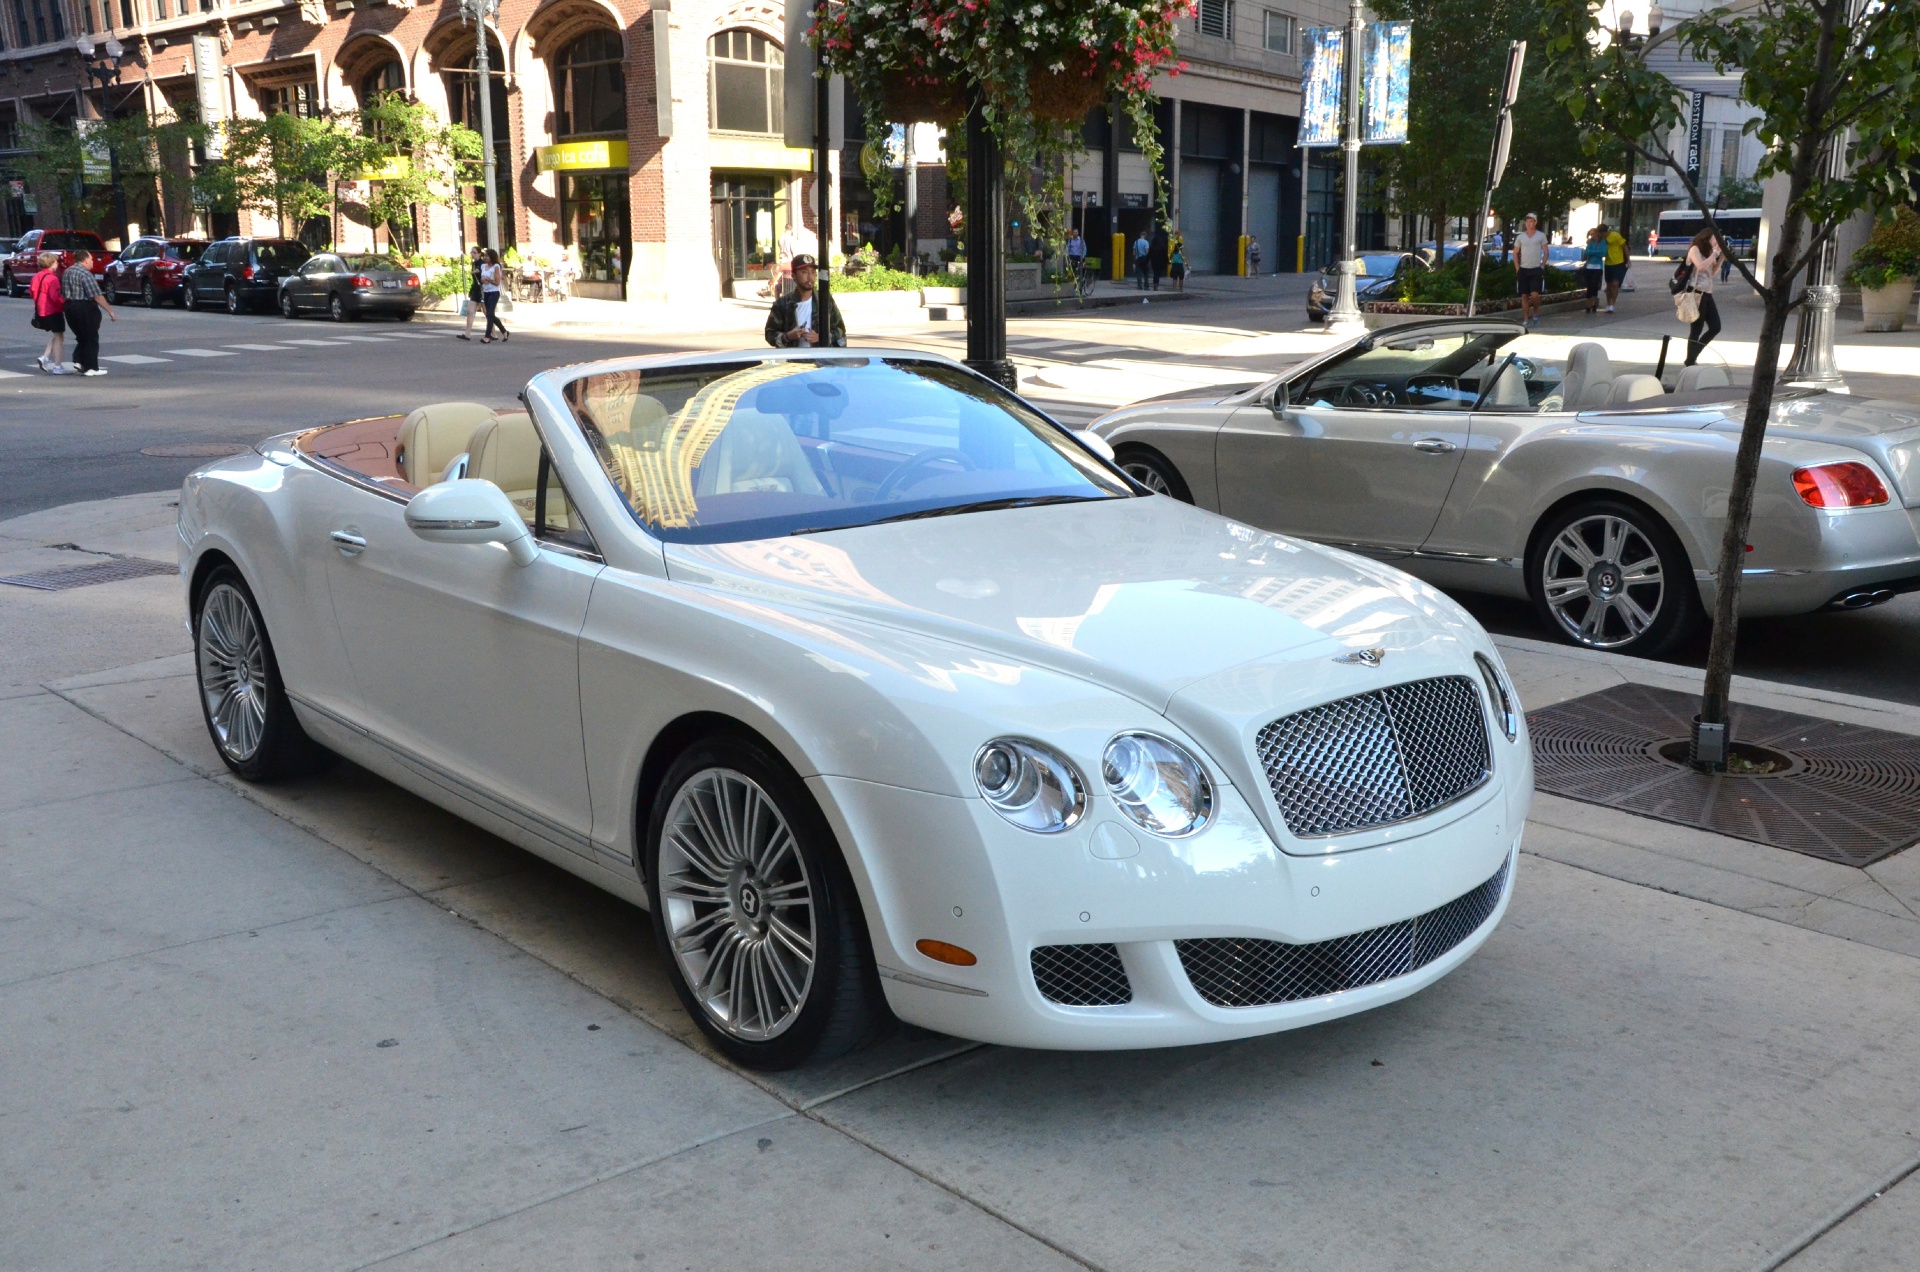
x=17, y=270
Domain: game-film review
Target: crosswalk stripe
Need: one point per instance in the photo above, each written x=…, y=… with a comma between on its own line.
x=133, y=359
x=315, y=342
x=201, y=353
x=416, y=335
x=368, y=339
x=13, y=375
x=260, y=348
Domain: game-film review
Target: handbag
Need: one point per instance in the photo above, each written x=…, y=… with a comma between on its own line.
x=1687, y=306
x=466, y=306
x=1682, y=277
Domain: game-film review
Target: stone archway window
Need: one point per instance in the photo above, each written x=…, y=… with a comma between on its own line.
x=590, y=87
x=744, y=87
x=388, y=77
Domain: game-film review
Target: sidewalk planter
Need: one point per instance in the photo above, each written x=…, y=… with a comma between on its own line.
x=1886, y=308
x=931, y=296
x=877, y=309
x=1494, y=305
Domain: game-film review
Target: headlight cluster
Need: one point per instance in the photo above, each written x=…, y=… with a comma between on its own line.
x=1157, y=784
x=1505, y=709
x=1153, y=781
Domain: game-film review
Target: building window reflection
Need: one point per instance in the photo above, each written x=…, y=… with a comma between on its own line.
x=744, y=83
x=590, y=87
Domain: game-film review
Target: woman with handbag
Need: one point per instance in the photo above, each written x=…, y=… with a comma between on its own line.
x=1703, y=257
x=475, y=263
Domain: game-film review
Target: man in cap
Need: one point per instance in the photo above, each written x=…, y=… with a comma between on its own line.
x=790, y=323
x=1530, y=266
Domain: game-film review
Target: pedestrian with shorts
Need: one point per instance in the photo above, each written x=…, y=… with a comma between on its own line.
x=1593, y=265
x=1530, y=268
x=1253, y=257
x=81, y=305
x=491, y=274
x=1177, y=263
x=1705, y=257
x=1142, y=252
x=48, y=315
x=1616, y=266
x=475, y=263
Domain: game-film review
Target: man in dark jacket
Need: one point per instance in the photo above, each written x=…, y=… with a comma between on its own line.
x=790, y=323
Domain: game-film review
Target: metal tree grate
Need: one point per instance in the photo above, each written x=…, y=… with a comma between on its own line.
x=70, y=576
x=1851, y=795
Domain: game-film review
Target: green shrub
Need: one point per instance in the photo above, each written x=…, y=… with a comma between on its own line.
x=878, y=278
x=1890, y=254
x=1448, y=285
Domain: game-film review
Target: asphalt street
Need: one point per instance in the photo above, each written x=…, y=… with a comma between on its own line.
x=182, y=380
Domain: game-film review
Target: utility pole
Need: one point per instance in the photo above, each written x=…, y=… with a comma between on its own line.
x=476, y=13
x=822, y=183
x=1813, y=363
x=911, y=209
x=1345, y=317
x=986, y=252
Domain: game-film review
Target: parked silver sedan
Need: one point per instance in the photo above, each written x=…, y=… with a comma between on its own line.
x=1590, y=476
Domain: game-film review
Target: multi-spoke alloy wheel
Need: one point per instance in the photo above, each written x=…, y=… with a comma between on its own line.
x=1608, y=576
x=233, y=673
x=738, y=904
x=246, y=709
x=1155, y=473
x=755, y=909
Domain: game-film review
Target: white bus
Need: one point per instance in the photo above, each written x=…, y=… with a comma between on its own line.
x=1741, y=226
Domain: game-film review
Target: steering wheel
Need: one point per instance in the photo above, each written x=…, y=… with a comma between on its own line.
x=1358, y=394
x=914, y=469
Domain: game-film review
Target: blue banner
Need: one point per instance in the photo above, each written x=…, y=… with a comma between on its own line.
x=1389, y=75
x=1323, y=53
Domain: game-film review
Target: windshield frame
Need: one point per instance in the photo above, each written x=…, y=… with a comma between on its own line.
x=564, y=388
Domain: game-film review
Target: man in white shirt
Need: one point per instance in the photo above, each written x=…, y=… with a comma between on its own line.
x=1530, y=264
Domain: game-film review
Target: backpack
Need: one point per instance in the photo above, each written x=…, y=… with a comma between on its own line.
x=1682, y=277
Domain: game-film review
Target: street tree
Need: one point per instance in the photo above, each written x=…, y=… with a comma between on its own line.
x=1822, y=74
x=282, y=165
x=53, y=161
x=423, y=159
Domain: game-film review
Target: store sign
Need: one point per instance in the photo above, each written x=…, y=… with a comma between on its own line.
x=392, y=168
x=1652, y=185
x=210, y=90
x=577, y=156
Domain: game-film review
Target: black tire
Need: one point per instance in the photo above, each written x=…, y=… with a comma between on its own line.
x=148, y=296
x=1582, y=569
x=840, y=1006
x=13, y=288
x=287, y=309
x=405, y=315
x=188, y=300
x=337, y=308
x=1154, y=471
x=234, y=304
x=257, y=735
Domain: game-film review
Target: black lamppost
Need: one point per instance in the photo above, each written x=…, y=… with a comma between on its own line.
x=103, y=68
x=986, y=252
x=1623, y=34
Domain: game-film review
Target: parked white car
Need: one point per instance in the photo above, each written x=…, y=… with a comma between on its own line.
x=885, y=694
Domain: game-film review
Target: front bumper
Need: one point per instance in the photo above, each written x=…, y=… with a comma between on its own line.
x=940, y=868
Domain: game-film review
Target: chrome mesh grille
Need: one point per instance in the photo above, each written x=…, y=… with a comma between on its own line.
x=1377, y=757
x=1239, y=972
x=1081, y=975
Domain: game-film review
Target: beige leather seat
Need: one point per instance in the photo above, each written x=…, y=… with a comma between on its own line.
x=756, y=452
x=434, y=436
x=505, y=450
x=1588, y=379
x=1629, y=389
x=1509, y=392
x=1698, y=377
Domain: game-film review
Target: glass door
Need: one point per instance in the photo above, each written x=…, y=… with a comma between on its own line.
x=595, y=221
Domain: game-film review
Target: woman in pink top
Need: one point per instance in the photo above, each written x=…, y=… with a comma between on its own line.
x=48, y=314
x=1703, y=254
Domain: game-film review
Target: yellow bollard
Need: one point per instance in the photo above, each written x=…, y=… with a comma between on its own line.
x=1119, y=257
x=1300, y=254
x=1244, y=239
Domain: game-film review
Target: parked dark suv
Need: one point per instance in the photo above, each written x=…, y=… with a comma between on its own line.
x=151, y=268
x=241, y=273
x=17, y=272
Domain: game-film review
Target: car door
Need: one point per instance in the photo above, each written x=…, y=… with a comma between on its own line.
x=305, y=286
x=1363, y=451
x=466, y=664
x=204, y=275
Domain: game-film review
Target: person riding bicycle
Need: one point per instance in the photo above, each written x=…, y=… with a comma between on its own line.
x=1076, y=252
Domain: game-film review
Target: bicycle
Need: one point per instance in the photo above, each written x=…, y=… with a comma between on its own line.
x=1082, y=279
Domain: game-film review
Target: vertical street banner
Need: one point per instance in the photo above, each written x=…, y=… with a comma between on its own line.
x=96, y=161
x=1323, y=85
x=1696, y=136
x=210, y=91
x=1387, y=62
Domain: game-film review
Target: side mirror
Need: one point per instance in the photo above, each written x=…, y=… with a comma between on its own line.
x=468, y=510
x=1096, y=443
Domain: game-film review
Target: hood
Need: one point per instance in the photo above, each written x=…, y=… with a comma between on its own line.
x=1887, y=431
x=1143, y=596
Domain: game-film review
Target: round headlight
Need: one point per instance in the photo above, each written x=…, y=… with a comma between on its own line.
x=1030, y=785
x=1505, y=709
x=1157, y=784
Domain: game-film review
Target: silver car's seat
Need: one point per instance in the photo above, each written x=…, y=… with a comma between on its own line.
x=506, y=451
x=434, y=436
x=1589, y=378
x=1629, y=389
x=1698, y=377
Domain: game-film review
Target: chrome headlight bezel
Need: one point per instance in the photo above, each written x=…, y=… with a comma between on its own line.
x=1500, y=697
x=1197, y=803
x=1030, y=784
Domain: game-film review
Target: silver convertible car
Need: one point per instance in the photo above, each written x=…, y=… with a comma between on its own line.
x=1582, y=474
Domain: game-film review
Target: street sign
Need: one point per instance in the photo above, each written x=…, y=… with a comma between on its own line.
x=210, y=91
x=1502, y=145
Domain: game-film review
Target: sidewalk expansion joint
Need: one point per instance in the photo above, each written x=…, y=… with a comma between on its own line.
x=1839, y=1217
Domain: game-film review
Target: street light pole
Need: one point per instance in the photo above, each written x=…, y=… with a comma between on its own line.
x=1813, y=364
x=477, y=12
x=1345, y=318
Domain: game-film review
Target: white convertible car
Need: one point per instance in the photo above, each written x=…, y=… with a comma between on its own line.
x=886, y=695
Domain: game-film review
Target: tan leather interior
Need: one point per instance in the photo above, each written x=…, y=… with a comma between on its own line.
x=1698, y=377
x=1589, y=377
x=434, y=436
x=1635, y=388
x=505, y=450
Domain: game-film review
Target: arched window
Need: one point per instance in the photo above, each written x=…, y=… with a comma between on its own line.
x=744, y=83
x=388, y=77
x=589, y=87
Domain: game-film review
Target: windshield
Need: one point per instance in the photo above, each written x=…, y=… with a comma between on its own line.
x=757, y=448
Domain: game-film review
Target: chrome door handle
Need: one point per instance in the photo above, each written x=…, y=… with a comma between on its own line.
x=348, y=543
x=1435, y=446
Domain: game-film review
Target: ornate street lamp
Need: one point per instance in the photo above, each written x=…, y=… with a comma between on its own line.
x=476, y=13
x=106, y=69
x=1345, y=318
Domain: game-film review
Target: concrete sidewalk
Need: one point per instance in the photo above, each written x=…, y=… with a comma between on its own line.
x=324, y=1025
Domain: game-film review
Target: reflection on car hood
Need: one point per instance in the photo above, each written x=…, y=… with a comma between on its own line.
x=1145, y=596
x=1888, y=431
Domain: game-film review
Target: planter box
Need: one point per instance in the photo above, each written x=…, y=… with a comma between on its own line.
x=930, y=296
x=1885, y=308
x=879, y=309
x=1459, y=309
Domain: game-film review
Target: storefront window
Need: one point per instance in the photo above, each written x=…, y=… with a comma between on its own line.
x=749, y=213
x=590, y=87
x=595, y=221
x=744, y=84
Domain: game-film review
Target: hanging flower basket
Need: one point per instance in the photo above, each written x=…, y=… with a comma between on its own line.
x=922, y=101
x=1064, y=95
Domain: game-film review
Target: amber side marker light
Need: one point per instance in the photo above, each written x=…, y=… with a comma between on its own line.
x=1843, y=485
x=941, y=952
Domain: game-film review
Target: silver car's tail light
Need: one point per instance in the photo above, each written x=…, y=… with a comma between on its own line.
x=1032, y=786
x=1157, y=784
x=1505, y=709
x=1843, y=485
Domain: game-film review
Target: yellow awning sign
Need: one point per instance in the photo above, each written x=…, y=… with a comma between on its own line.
x=392, y=168
x=577, y=156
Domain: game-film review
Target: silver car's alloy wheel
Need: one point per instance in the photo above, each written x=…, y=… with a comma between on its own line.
x=737, y=904
x=1602, y=580
x=1147, y=475
x=233, y=672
